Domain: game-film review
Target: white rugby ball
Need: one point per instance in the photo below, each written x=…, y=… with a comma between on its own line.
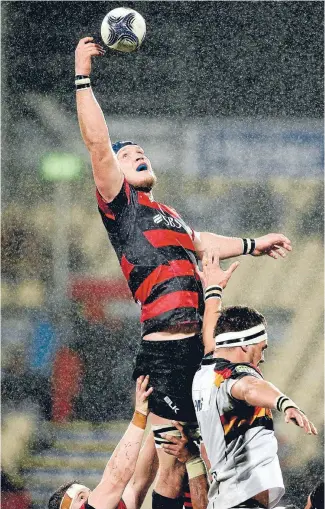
x=123, y=29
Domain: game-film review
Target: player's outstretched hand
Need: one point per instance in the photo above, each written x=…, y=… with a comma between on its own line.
x=212, y=273
x=84, y=51
x=182, y=447
x=273, y=245
x=299, y=419
x=142, y=394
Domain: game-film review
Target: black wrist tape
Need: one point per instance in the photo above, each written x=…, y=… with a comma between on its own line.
x=84, y=85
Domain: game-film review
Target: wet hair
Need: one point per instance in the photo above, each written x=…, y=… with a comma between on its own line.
x=120, y=144
x=55, y=499
x=238, y=318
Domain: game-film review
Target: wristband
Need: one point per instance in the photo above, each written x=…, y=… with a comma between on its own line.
x=195, y=467
x=282, y=403
x=248, y=246
x=81, y=77
x=82, y=81
x=213, y=292
x=139, y=419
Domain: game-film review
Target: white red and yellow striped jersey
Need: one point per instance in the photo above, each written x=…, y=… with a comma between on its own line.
x=239, y=438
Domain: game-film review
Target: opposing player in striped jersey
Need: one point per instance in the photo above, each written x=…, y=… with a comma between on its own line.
x=158, y=253
x=233, y=403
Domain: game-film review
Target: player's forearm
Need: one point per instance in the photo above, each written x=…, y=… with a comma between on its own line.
x=121, y=465
x=118, y=470
x=144, y=475
x=211, y=314
x=199, y=492
x=91, y=120
x=227, y=246
x=198, y=482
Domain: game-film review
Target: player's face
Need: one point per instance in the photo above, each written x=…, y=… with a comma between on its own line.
x=136, y=167
x=81, y=499
x=258, y=353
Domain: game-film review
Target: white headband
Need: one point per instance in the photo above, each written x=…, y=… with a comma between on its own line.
x=71, y=494
x=246, y=337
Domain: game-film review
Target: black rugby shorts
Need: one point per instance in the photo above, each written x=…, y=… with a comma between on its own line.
x=171, y=366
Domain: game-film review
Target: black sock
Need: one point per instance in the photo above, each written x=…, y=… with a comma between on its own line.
x=161, y=502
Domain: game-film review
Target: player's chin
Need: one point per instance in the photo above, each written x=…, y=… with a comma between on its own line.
x=146, y=183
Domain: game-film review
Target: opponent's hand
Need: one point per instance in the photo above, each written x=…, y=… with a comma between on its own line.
x=84, y=51
x=298, y=418
x=142, y=394
x=212, y=273
x=182, y=448
x=273, y=245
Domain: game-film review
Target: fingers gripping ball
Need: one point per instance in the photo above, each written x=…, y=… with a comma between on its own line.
x=123, y=29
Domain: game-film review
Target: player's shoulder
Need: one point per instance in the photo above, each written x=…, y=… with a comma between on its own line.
x=227, y=369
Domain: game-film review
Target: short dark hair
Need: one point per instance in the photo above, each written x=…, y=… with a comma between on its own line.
x=238, y=318
x=55, y=499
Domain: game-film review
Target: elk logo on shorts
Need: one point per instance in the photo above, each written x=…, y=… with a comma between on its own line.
x=171, y=404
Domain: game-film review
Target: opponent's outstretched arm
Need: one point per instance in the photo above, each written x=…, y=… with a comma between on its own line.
x=107, y=174
x=121, y=464
x=272, y=244
x=213, y=276
x=258, y=392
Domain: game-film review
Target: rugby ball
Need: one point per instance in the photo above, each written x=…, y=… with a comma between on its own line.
x=123, y=29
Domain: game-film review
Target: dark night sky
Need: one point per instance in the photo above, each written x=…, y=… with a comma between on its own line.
x=199, y=58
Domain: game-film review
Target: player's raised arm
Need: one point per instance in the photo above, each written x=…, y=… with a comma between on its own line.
x=214, y=280
x=107, y=174
x=144, y=475
x=121, y=465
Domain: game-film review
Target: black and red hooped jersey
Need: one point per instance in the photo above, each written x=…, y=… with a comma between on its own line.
x=157, y=256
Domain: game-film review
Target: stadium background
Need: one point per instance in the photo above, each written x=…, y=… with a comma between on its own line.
x=226, y=98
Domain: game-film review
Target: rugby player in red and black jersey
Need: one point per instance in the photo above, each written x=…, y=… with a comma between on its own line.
x=158, y=253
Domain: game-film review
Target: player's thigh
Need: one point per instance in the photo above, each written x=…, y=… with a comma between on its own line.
x=161, y=426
